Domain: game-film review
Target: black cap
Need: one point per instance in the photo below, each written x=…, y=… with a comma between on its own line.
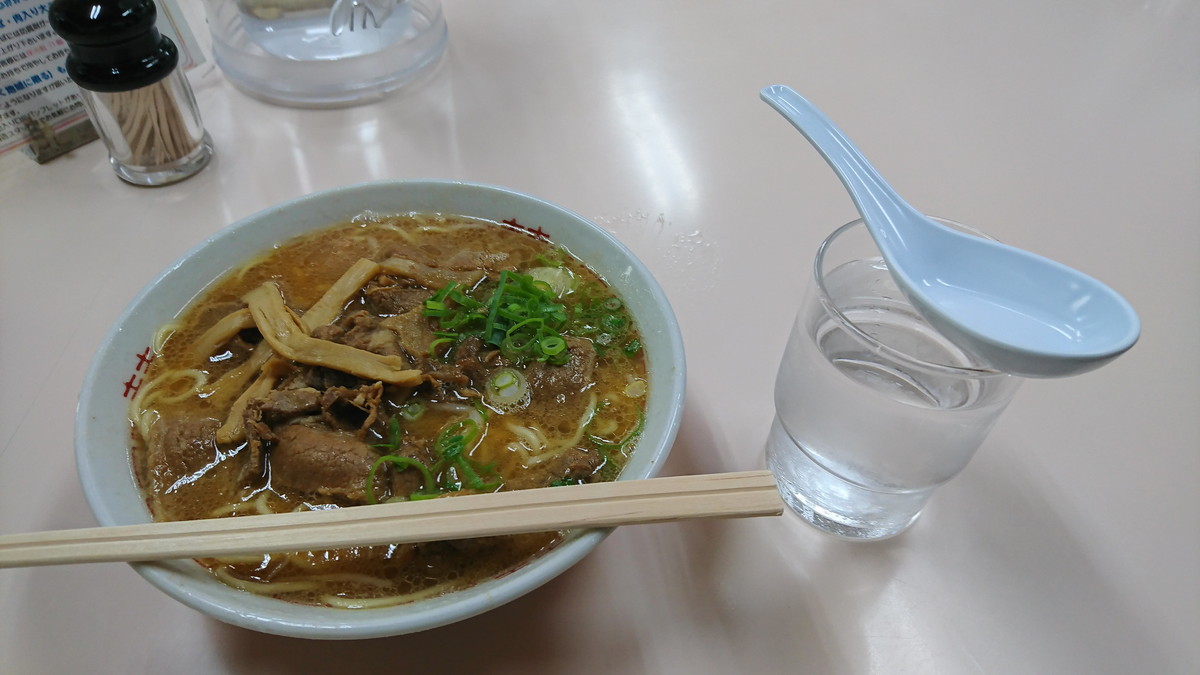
x=114, y=43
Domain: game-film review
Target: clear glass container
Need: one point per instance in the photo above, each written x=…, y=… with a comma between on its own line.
x=875, y=409
x=154, y=133
x=129, y=79
x=325, y=53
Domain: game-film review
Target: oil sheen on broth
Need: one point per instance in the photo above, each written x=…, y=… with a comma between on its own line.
x=423, y=356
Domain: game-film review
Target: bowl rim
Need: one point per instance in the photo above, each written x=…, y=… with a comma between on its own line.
x=193, y=586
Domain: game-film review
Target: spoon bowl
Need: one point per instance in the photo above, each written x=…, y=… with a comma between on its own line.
x=1022, y=313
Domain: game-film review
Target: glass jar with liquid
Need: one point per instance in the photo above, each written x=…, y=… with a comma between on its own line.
x=325, y=53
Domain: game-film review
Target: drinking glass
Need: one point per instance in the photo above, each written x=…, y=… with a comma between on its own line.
x=874, y=408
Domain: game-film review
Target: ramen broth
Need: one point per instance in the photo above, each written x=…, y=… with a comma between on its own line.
x=509, y=364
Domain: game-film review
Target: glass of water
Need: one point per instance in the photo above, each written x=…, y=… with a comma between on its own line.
x=874, y=408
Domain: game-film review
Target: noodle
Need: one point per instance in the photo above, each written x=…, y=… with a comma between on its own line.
x=258, y=506
x=148, y=395
x=389, y=601
x=350, y=578
x=162, y=335
x=266, y=587
x=538, y=438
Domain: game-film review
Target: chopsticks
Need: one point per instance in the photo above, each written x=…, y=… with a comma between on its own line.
x=653, y=500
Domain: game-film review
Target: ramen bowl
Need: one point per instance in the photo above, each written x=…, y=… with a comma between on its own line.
x=103, y=438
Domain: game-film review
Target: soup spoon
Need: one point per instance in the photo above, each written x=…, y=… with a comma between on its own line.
x=1020, y=312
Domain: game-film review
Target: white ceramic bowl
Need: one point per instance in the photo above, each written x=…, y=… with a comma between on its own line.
x=102, y=433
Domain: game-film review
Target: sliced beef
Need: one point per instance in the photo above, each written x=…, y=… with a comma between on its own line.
x=408, y=334
x=318, y=378
x=354, y=408
x=449, y=381
x=476, y=360
x=413, y=333
x=388, y=295
x=258, y=436
x=322, y=464
x=287, y=404
x=562, y=383
x=464, y=376
x=280, y=406
x=179, y=449
x=332, y=332
x=407, y=481
x=363, y=331
x=576, y=465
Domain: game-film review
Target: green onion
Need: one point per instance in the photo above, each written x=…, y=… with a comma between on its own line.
x=554, y=258
x=451, y=446
x=393, y=435
x=552, y=345
x=612, y=323
x=490, y=329
x=430, y=486
x=416, y=496
x=632, y=347
x=506, y=388
x=521, y=316
x=602, y=318
x=412, y=410
x=433, y=346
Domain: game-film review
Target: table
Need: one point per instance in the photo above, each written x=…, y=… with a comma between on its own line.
x=1071, y=543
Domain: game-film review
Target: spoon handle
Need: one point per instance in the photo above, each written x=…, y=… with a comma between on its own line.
x=877, y=202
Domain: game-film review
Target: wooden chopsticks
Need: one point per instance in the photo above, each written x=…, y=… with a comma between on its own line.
x=654, y=500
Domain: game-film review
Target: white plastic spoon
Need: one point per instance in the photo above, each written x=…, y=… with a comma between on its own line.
x=1022, y=313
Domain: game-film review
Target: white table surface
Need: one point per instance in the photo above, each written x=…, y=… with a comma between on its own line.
x=1071, y=543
